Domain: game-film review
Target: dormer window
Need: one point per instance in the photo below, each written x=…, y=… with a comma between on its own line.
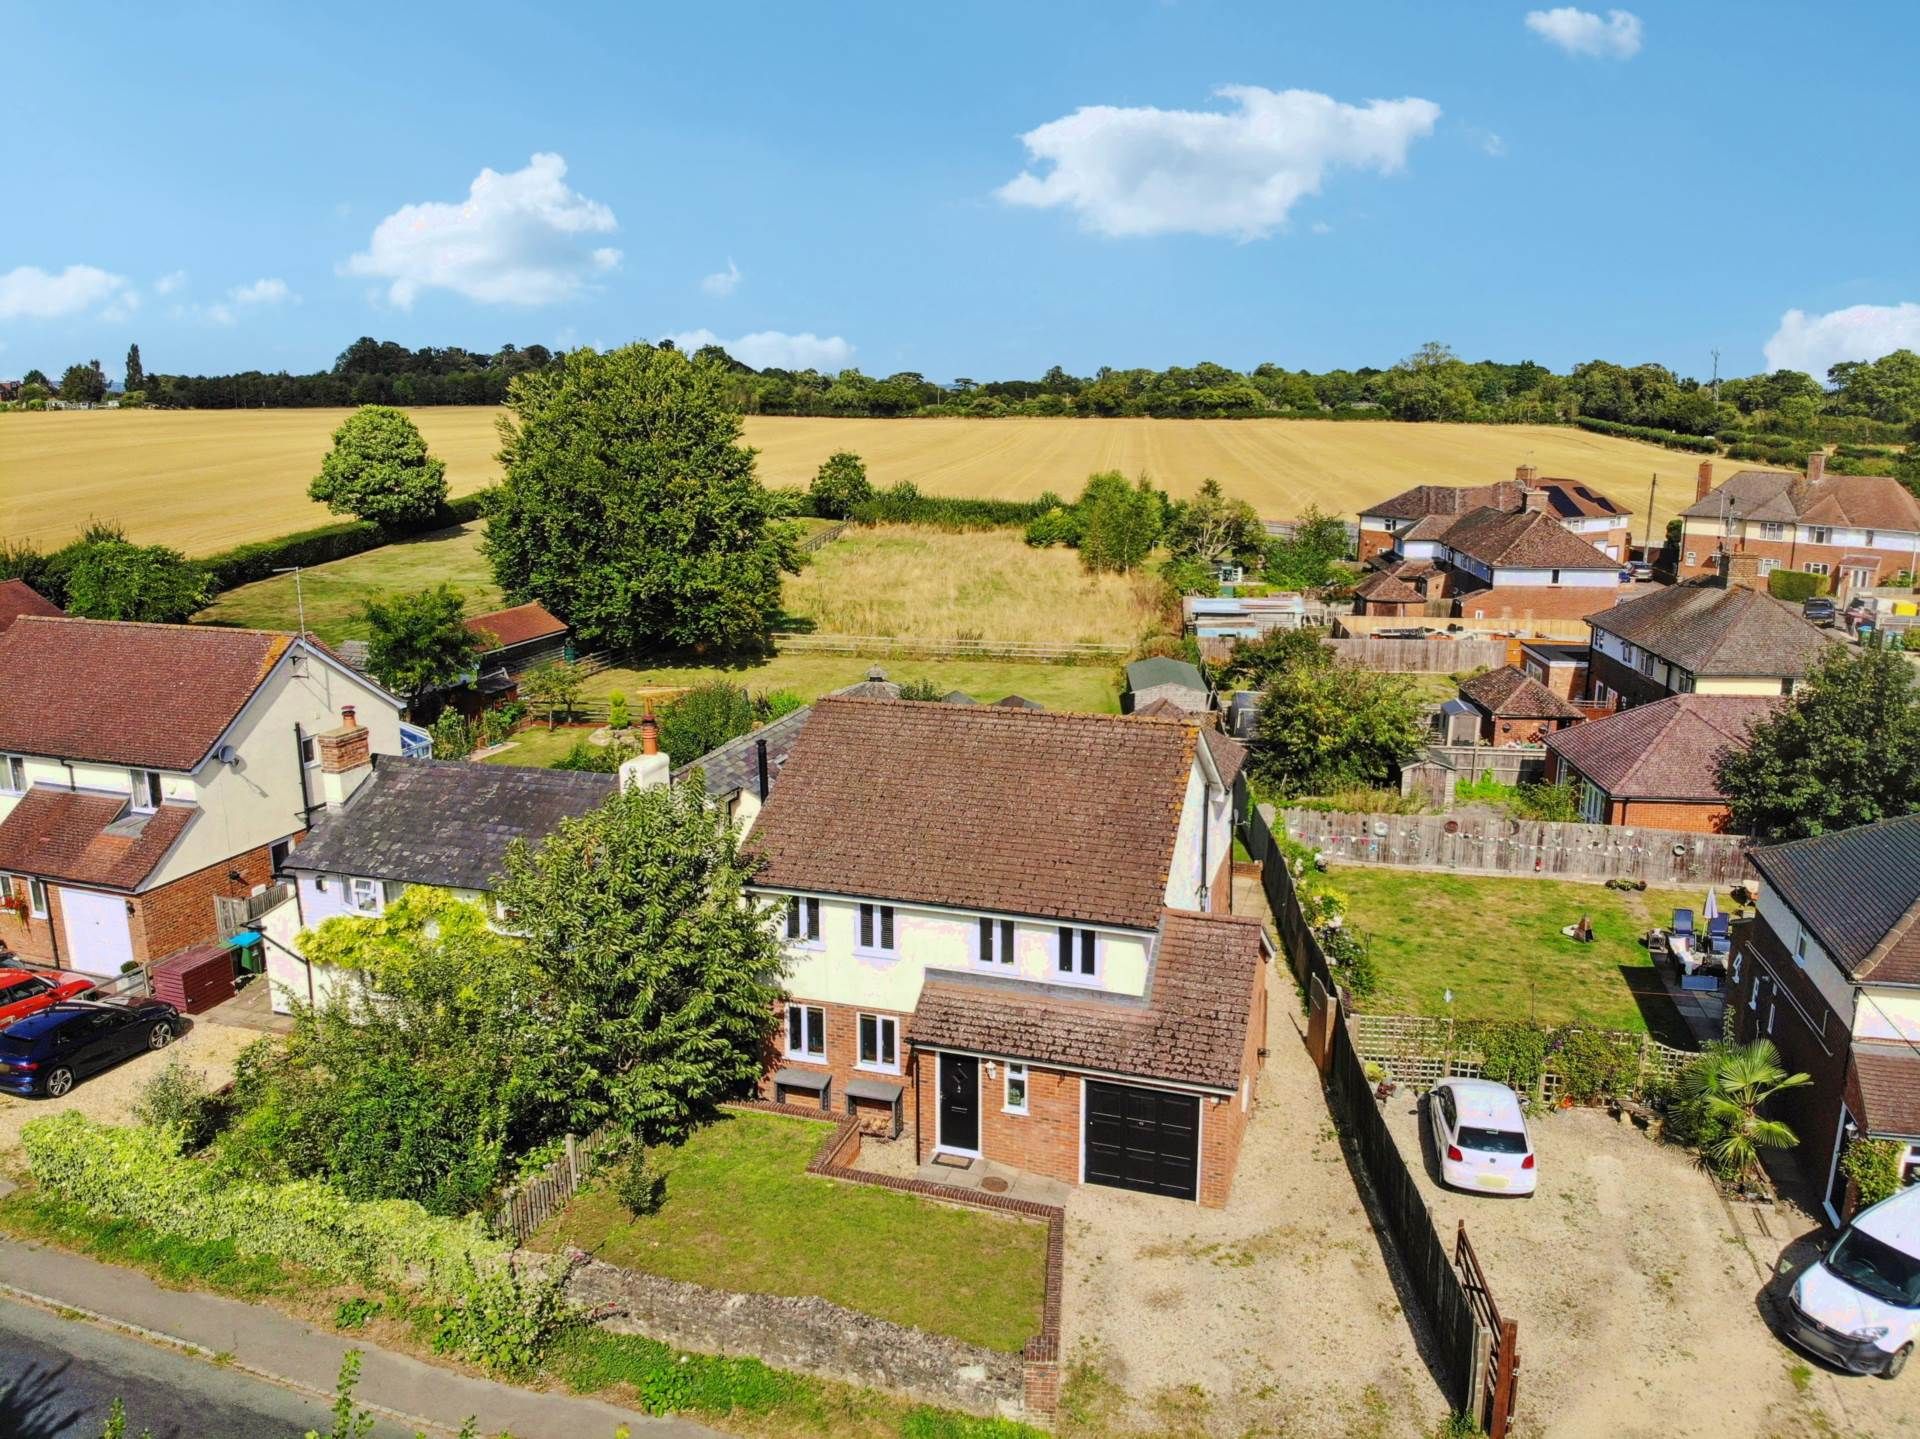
x=146, y=791
x=13, y=774
x=803, y=921
x=1078, y=954
x=876, y=929
x=994, y=942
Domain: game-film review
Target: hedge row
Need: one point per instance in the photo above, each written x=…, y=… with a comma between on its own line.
x=243, y=564
x=1795, y=585
x=139, y=1173
x=1672, y=439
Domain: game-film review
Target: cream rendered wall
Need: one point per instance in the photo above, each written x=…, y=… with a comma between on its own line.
x=1887, y=1013
x=258, y=801
x=1193, y=864
x=1748, y=685
x=105, y=778
x=834, y=972
x=1827, y=977
x=1420, y=549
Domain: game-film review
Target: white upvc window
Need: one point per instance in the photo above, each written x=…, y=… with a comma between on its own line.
x=803, y=921
x=1016, y=1100
x=1772, y=530
x=13, y=774
x=1819, y=535
x=993, y=942
x=1593, y=803
x=807, y=1032
x=1767, y=567
x=879, y=1043
x=37, y=898
x=368, y=896
x=1078, y=954
x=876, y=930
x=146, y=790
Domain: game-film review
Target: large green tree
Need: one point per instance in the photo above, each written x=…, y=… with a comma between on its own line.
x=1326, y=727
x=1306, y=560
x=1119, y=522
x=630, y=506
x=839, y=484
x=419, y=642
x=1214, y=529
x=136, y=372
x=1845, y=751
x=110, y=579
x=379, y=470
x=663, y=975
x=83, y=384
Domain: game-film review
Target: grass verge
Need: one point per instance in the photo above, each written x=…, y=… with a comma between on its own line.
x=738, y=1192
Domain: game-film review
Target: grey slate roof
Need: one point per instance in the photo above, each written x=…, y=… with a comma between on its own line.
x=1146, y=674
x=1858, y=890
x=444, y=822
x=1715, y=631
x=735, y=765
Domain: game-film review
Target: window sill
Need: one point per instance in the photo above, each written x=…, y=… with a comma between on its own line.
x=1016, y=1113
x=819, y=1059
x=807, y=946
x=891, y=1070
x=862, y=952
x=1085, y=981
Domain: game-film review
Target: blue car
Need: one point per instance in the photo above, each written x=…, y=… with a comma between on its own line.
x=47, y=1053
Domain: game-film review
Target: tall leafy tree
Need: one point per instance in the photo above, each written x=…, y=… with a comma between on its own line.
x=839, y=484
x=379, y=470
x=1845, y=751
x=110, y=579
x=1306, y=561
x=1214, y=529
x=136, y=372
x=630, y=506
x=419, y=642
x=1119, y=523
x=83, y=384
x=1326, y=727
x=663, y=975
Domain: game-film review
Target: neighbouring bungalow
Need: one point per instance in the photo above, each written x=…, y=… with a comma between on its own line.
x=18, y=598
x=1516, y=709
x=1654, y=765
x=1490, y=563
x=1699, y=638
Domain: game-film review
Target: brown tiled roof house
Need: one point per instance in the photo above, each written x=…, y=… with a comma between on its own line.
x=1655, y=765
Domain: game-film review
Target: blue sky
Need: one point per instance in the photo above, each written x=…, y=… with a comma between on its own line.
x=255, y=186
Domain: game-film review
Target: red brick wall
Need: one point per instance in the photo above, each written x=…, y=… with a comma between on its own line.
x=1518, y=731
x=1391, y=609
x=843, y=1053
x=1790, y=555
x=1710, y=818
x=34, y=938
x=1374, y=542
x=1544, y=602
x=174, y=916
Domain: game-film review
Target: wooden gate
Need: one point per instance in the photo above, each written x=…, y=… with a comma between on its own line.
x=1503, y=1354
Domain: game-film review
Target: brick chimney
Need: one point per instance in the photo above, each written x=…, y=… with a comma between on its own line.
x=650, y=768
x=1704, y=485
x=1526, y=474
x=345, y=759
x=1739, y=570
x=1531, y=500
x=1816, y=467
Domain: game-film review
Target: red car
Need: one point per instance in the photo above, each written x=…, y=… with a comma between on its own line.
x=28, y=991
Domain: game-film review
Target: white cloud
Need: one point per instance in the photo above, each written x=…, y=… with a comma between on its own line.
x=1146, y=171
x=1321, y=227
x=262, y=292
x=517, y=239
x=722, y=283
x=29, y=292
x=1860, y=332
x=1493, y=144
x=167, y=284
x=1582, y=32
x=766, y=349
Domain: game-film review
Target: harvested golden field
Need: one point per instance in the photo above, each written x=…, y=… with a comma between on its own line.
x=902, y=581
x=206, y=479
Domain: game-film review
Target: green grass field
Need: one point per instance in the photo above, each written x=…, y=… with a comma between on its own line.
x=1089, y=688
x=1496, y=944
x=742, y=1213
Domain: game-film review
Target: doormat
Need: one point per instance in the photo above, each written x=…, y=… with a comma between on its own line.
x=953, y=1161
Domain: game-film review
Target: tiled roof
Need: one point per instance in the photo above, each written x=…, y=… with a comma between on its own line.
x=735, y=765
x=1069, y=816
x=1752, y=495
x=1190, y=1027
x=1858, y=890
x=518, y=625
x=1428, y=527
x=1388, y=588
x=443, y=822
x=1576, y=500
x=18, y=598
x=87, y=837
x=1149, y=673
x=1531, y=539
x=156, y=696
x=1424, y=500
x=1716, y=631
x=1667, y=750
x=1229, y=755
x=1884, y=1089
x=1873, y=502
x=1510, y=693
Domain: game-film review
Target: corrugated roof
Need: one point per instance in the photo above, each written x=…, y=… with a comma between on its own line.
x=1717, y=631
x=1190, y=1027
x=1667, y=750
x=1858, y=890
x=1069, y=816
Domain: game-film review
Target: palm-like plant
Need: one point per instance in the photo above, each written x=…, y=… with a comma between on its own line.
x=1725, y=1089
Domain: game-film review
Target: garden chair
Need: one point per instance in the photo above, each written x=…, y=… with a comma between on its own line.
x=1720, y=934
x=1683, y=923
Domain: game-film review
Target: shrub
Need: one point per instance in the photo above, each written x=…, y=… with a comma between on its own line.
x=504, y=1320
x=454, y=735
x=177, y=1099
x=1513, y=1054
x=618, y=715
x=839, y=484
x=379, y=470
x=639, y=1186
x=924, y=688
x=1696, y=444
x=903, y=504
x=1795, y=585
x=1874, y=1166
x=770, y=705
x=243, y=564
x=1058, y=526
x=1351, y=955
x=588, y=758
x=1592, y=1064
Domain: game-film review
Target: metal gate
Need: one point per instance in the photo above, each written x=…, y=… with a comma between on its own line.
x=1503, y=1354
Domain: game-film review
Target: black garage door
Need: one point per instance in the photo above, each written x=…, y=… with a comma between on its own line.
x=1145, y=1139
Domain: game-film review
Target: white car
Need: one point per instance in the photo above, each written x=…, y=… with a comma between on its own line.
x=1481, y=1137
x=1858, y=1306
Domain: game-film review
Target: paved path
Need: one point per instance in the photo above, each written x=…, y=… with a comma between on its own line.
x=266, y=1346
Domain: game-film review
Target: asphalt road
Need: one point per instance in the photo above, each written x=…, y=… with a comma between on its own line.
x=59, y=1377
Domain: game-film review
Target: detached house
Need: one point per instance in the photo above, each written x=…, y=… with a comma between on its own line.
x=1698, y=639
x=1856, y=530
x=1830, y=972
x=148, y=770
x=1657, y=765
x=1580, y=509
x=1490, y=563
x=1008, y=934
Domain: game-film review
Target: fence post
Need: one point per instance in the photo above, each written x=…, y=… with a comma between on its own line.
x=573, y=1163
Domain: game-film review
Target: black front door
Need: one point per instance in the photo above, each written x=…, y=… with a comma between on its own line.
x=960, y=1102
x=1145, y=1139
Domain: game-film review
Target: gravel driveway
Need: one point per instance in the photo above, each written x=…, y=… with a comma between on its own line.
x=109, y=1095
x=1276, y=1315
x=1641, y=1297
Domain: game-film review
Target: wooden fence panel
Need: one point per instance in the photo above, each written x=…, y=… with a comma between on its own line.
x=1432, y=657
x=1495, y=844
x=536, y=1199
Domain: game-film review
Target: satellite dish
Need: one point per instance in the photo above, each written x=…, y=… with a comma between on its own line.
x=227, y=754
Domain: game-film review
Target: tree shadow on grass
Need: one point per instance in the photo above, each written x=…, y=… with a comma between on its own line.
x=1657, y=1009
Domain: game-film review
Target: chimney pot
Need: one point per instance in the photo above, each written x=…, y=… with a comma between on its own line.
x=1816, y=467
x=649, y=733
x=877, y=675
x=1704, y=486
x=346, y=716
x=1526, y=474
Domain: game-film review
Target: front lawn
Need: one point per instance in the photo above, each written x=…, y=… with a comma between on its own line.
x=1496, y=943
x=742, y=1213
